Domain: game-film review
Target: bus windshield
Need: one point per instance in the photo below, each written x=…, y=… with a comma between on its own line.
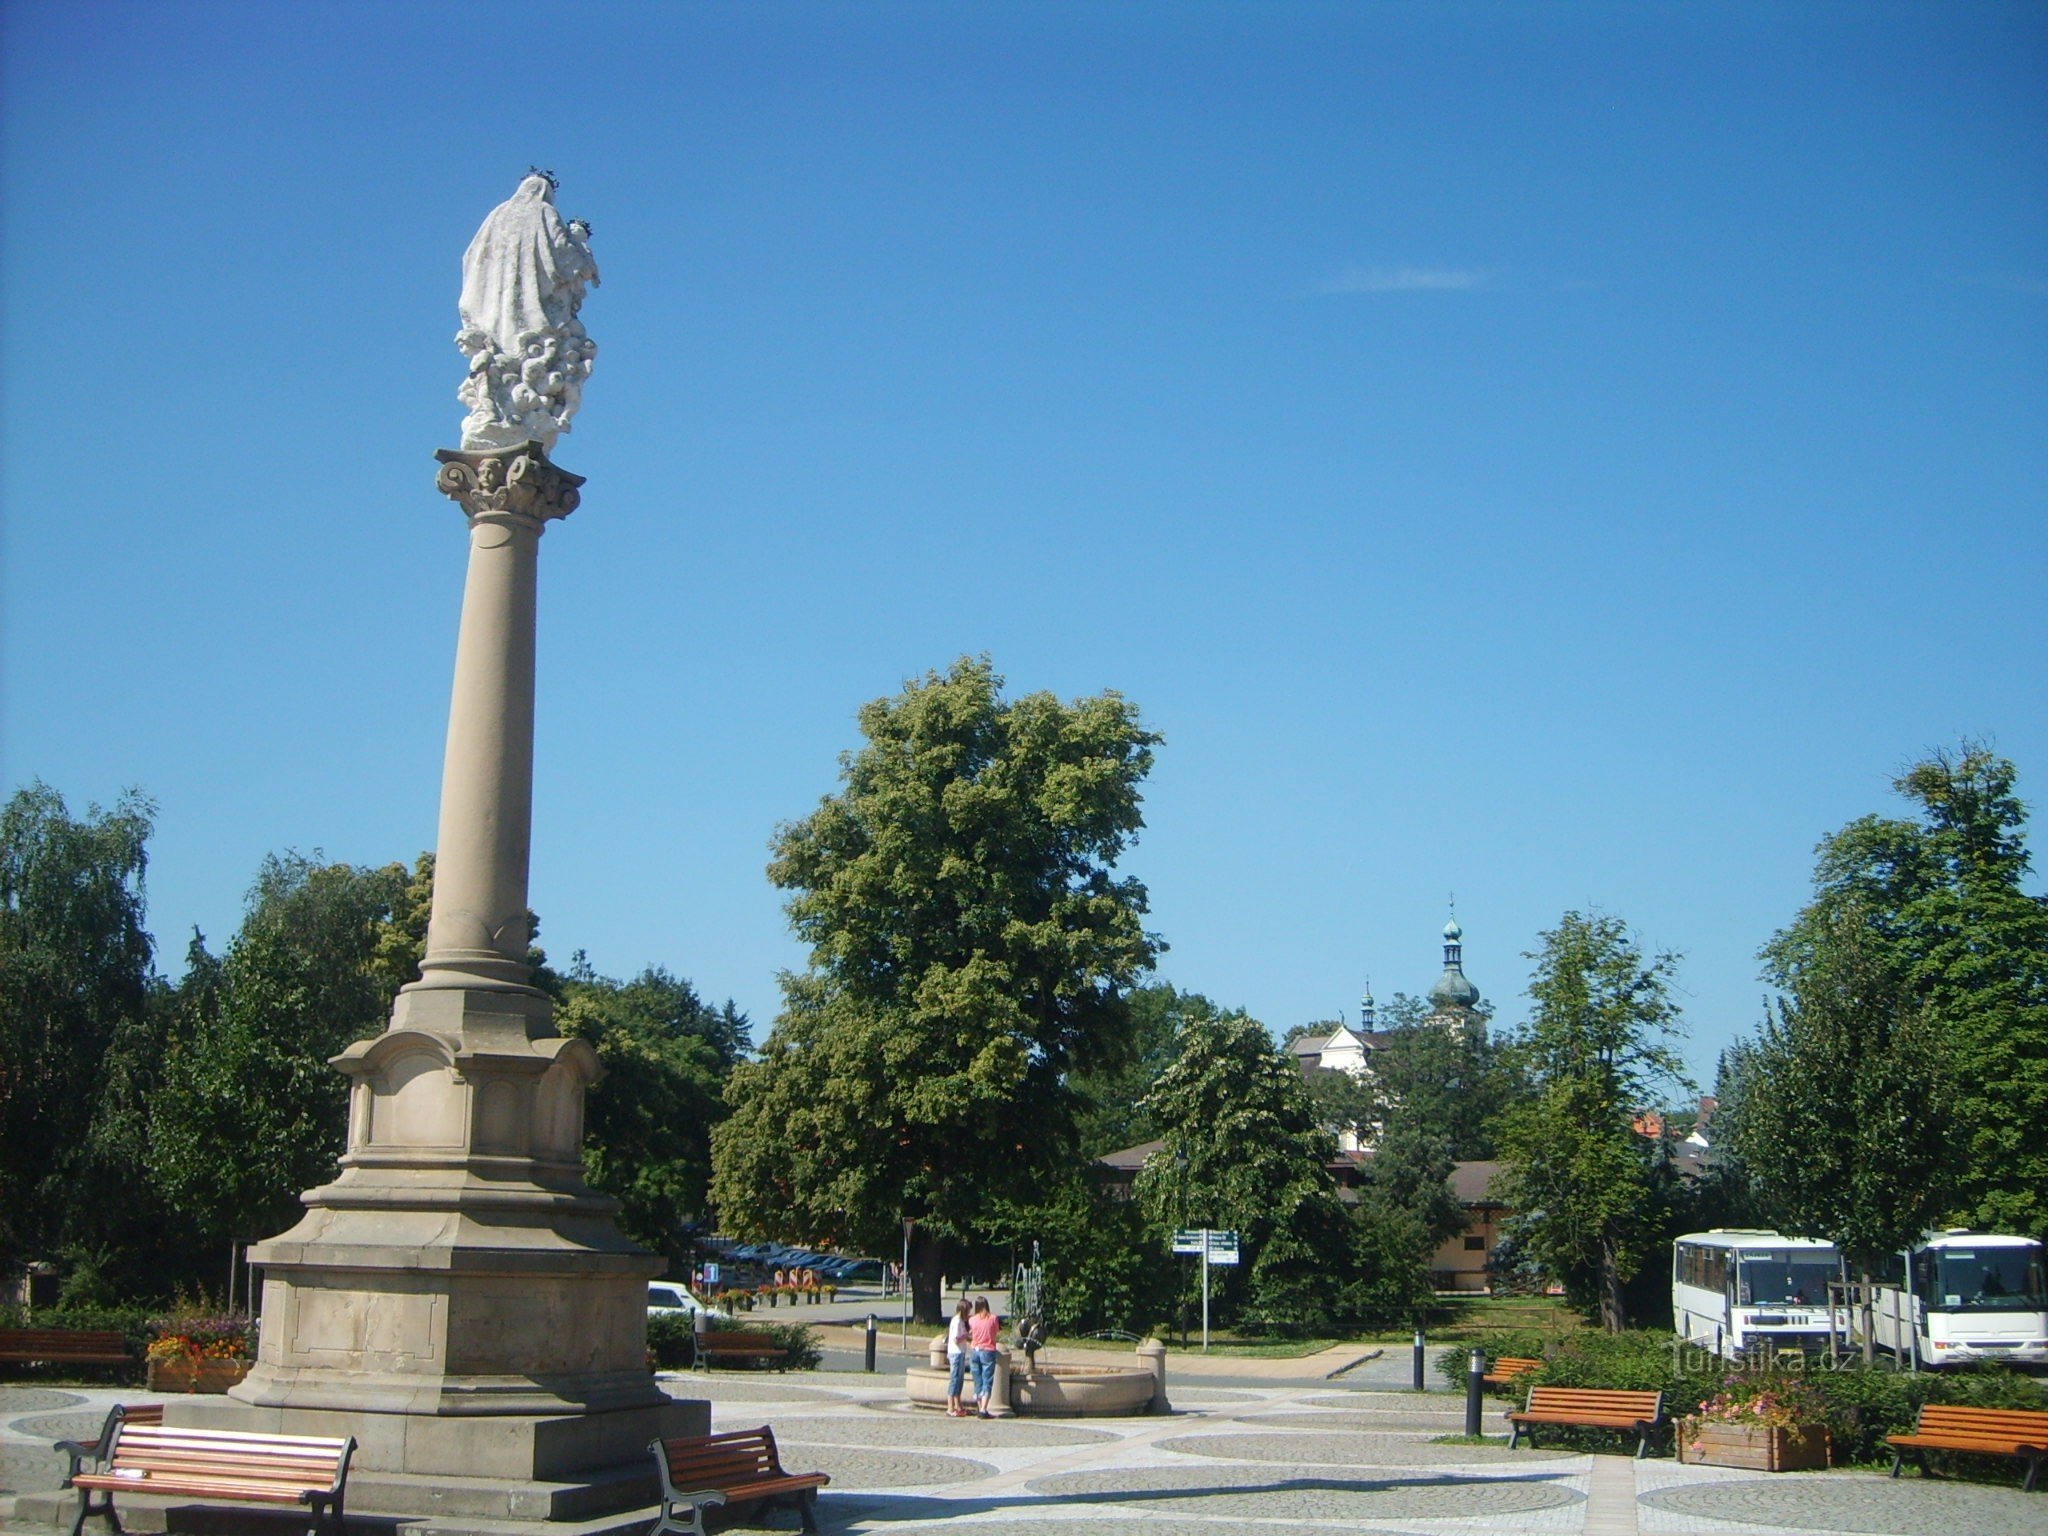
x=1775, y=1277
x=1991, y=1280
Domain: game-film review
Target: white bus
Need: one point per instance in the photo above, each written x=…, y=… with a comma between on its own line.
x=1959, y=1297
x=1734, y=1290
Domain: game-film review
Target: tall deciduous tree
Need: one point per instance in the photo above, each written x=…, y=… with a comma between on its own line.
x=970, y=947
x=1573, y=1162
x=249, y=1112
x=1952, y=927
x=74, y=979
x=1838, y=1104
x=1454, y=1083
x=647, y=1125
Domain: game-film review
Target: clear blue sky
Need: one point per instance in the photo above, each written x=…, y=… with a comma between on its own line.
x=1562, y=455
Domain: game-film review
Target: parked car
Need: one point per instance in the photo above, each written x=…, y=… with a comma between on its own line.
x=667, y=1298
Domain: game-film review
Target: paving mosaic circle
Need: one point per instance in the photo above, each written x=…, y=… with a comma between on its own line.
x=1311, y=1449
x=1261, y=1493
x=934, y=1429
x=856, y=1467
x=1880, y=1506
x=874, y=1524
x=29, y=1468
x=1179, y=1395
x=62, y=1426
x=1360, y=1423
x=35, y=1399
x=726, y=1390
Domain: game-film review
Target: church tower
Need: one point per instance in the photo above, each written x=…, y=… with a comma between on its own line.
x=1454, y=1001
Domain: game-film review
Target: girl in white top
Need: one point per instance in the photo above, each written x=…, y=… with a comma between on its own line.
x=956, y=1359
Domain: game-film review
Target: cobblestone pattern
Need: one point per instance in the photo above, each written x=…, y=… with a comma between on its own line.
x=934, y=1430
x=62, y=1426
x=29, y=1468
x=1362, y=1423
x=1310, y=1449
x=1835, y=1502
x=1428, y=1402
x=723, y=1389
x=1258, y=1492
x=876, y=1524
x=15, y=1400
x=853, y=1469
x=1203, y=1397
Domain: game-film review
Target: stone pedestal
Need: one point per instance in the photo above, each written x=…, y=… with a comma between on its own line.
x=458, y=1299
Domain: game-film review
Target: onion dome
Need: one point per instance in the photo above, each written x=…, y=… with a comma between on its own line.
x=1452, y=991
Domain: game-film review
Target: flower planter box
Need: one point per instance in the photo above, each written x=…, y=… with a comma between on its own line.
x=1760, y=1450
x=200, y=1376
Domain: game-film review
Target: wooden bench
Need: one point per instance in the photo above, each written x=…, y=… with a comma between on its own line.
x=2019, y=1432
x=700, y=1472
x=738, y=1344
x=81, y=1451
x=1508, y=1369
x=213, y=1464
x=63, y=1346
x=1589, y=1408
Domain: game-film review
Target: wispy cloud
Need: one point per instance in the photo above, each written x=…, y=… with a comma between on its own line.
x=1357, y=279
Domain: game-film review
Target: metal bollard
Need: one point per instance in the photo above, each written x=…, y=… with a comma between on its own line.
x=1475, y=1390
x=1420, y=1385
x=870, y=1366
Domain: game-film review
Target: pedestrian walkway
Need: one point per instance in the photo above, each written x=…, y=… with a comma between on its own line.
x=1305, y=1458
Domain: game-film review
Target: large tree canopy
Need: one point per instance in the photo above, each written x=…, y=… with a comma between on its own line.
x=74, y=980
x=969, y=948
x=1952, y=933
x=1572, y=1160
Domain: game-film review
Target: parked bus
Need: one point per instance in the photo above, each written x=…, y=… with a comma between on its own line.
x=1959, y=1297
x=1734, y=1290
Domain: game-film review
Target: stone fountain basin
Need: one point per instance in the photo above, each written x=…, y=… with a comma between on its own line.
x=1051, y=1391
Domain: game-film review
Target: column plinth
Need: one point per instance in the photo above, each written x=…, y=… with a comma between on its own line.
x=458, y=1269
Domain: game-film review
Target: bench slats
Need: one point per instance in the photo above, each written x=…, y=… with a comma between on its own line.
x=739, y=1465
x=1588, y=1407
x=79, y=1346
x=2016, y=1432
x=149, y=1457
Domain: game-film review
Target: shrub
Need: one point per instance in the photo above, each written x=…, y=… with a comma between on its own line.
x=799, y=1342
x=1523, y=1343
x=671, y=1341
x=1867, y=1403
x=136, y=1325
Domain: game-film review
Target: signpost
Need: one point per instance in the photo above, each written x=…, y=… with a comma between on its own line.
x=1215, y=1247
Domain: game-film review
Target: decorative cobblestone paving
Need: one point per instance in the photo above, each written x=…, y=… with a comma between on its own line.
x=1838, y=1502
x=723, y=1389
x=1311, y=1449
x=29, y=1468
x=857, y=1468
x=15, y=1400
x=61, y=1426
x=1260, y=1493
x=863, y=1523
x=1204, y=1396
x=934, y=1430
x=1363, y=1423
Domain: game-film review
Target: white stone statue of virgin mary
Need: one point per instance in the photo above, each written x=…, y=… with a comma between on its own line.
x=523, y=279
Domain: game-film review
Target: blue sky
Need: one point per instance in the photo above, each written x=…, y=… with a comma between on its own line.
x=1564, y=455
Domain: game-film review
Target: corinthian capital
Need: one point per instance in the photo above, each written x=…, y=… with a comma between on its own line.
x=515, y=482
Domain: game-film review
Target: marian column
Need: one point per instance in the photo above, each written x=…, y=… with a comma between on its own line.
x=458, y=1298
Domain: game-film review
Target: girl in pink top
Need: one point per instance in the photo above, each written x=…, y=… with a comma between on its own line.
x=982, y=1328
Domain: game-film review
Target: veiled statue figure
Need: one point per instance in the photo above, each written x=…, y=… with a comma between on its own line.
x=523, y=279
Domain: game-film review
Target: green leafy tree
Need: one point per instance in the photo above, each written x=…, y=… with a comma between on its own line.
x=1110, y=1114
x=1838, y=1106
x=647, y=1123
x=970, y=949
x=1343, y=1102
x=1454, y=1083
x=74, y=978
x=1245, y=1152
x=249, y=1112
x=1943, y=901
x=1573, y=1163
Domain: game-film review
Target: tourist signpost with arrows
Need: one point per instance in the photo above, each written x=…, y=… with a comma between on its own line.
x=1215, y=1247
